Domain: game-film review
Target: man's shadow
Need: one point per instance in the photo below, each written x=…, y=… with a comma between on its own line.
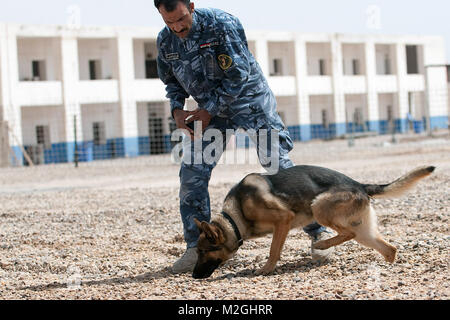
x=144, y=278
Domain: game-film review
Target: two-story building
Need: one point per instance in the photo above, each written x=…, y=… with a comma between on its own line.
x=98, y=86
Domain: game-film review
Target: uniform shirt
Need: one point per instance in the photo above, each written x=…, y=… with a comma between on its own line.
x=214, y=66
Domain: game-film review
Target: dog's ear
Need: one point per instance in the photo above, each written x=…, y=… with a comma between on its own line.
x=213, y=233
x=198, y=223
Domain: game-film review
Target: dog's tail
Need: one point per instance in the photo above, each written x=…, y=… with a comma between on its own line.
x=399, y=186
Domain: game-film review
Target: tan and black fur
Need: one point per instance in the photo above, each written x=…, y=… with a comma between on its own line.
x=296, y=197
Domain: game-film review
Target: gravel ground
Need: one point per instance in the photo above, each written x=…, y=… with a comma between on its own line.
x=111, y=230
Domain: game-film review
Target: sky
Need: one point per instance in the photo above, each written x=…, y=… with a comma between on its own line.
x=418, y=17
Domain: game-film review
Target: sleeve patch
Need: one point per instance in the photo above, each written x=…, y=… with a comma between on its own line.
x=225, y=61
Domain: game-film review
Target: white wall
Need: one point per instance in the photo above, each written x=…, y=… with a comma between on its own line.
x=385, y=100
x=383, y=51
x=418, y=105
x=107, y=113
x=283, y=51
x=52, y=116
x=319, y=103
x=315, y=52
x=354, y=101
x=288, y=107
x=352, y=52
x=104, y=50
x=47, y=49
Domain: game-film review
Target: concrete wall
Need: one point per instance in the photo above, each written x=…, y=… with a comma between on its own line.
x=104, y=50
x=46, y=49
x=107, y=113
x=51, y=116
x=319, y=103
x=315, y=52
x=385, y=52
x=283, y=51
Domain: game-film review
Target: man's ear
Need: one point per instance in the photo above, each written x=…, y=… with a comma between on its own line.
x=191, y=7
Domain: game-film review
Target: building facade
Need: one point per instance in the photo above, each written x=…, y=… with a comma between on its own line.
x=97, y=88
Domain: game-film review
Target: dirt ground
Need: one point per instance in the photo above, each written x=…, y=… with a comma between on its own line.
x=111, y=230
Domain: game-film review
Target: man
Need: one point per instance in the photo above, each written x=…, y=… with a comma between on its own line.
x=204, y=53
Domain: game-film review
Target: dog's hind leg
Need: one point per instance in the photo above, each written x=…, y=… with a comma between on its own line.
x=333, y=209
x=368, y=235
x=337, y=240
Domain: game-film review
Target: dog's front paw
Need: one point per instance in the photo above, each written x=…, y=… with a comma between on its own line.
x=264, y=271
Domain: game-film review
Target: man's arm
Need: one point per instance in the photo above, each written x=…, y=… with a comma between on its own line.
x=175, y=92
x=233, y=58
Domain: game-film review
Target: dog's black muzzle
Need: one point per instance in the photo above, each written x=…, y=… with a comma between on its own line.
x=205, y=270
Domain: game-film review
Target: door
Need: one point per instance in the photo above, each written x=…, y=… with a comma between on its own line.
x=156, y=135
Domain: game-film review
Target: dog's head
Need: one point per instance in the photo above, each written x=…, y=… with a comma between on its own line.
x=211, y=249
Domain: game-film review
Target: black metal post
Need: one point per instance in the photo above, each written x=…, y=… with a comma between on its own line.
x=75, y=138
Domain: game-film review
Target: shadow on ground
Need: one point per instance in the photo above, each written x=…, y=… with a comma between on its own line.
x=303, y=265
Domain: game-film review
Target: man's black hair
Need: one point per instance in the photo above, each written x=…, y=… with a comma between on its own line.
x=170, y=5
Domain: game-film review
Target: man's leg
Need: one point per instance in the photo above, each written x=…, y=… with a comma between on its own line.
x=195, y=174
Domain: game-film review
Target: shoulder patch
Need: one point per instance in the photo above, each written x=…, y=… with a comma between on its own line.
x=225, y=61
x=172, y=56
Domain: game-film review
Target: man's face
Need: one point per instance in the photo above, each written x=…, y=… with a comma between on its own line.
x=179, y=20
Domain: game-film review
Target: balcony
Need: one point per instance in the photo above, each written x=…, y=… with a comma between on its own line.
x=354, y=84
x=415, y=82
x=148, y=90
x=386, y=84
x=319, y=85
x=39, y=93
x=98, y=91
x=283, y=86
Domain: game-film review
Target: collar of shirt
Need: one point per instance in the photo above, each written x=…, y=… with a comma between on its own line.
x=196, y=27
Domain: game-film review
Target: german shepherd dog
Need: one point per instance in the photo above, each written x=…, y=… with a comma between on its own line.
x=296, y=197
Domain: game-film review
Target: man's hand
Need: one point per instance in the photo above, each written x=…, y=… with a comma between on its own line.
x=203, y=116
x=180, y=118
x=184, y=118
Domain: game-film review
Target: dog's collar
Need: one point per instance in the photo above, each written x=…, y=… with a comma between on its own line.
x=235, y=228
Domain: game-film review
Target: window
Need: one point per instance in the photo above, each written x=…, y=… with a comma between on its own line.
x=277, y=67
x=43, y=136
x=151, y=69
x=99, y=133
x=387, y=65
x=322, y=67
x=358, y=117
x=390, y=114
x=156, y=133
x=325, y=119
x=412, y=60
x=38, y=70
x=95, y=70
x=356, y=67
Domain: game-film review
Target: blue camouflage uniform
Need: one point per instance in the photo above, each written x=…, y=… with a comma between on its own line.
x=214, y=65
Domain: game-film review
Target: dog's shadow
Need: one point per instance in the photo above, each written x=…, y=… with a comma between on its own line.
x=303, y=265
